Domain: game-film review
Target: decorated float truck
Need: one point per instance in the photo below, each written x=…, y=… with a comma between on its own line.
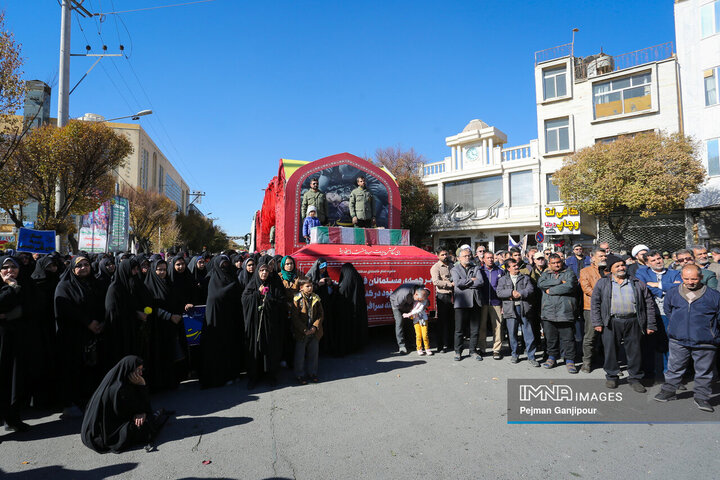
x=383, y=255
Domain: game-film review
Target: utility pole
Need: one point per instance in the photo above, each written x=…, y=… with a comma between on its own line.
x=63, y=95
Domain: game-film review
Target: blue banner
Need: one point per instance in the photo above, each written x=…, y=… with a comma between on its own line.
x=194, y=322
x=36, y=241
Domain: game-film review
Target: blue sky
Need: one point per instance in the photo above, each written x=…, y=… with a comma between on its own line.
x=237, y=85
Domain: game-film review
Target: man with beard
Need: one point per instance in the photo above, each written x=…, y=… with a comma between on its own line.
x=693, y=309
x=622, y=311
x=685, y=257
x=314, y=197
x=588, y=278
x=703, y=261
x=639, y=254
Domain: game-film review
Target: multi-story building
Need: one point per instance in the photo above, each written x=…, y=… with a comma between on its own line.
x=36, y=109
x=697, y=32
x=147, y=167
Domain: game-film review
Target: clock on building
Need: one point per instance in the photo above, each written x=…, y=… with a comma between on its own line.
x=472, y=153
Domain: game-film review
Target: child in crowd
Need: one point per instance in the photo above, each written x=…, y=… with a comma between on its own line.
x=420, y=321
x=307, y=318
x=310, y=221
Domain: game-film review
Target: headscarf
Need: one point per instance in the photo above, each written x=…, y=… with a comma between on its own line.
x=316, y=271
x=73, y=287
x=159, y=288
x=40, y=272
x=243, y=275
x=288, y=276
x=106, y=424
x=103, y=273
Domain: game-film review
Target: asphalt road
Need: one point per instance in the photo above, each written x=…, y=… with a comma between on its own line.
x=374, y=415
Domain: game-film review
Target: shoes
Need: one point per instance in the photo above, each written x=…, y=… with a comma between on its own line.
x=428, y=352
x=664, y=395
x=478, y=357
x=571, y=368
x=445, y=350
x=682, y=387
x=534, y=362
x=421, y=352
x=314, y=378
x=704, y=405
x=72, y=412
x=402, y=351
x=18, y=426
x=586, y=368
x=514, y=359
x=458, y=357
x=638, y=387
x=611, y=383
x=301, y=380
x=497, y=356
x=549, y=363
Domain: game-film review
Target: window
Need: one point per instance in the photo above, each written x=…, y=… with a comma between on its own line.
x=711, y=86
x=712, y=147
x=710, y=18
x=623, y=95
x=172, y=190
x=624, y=135
x=557, y=136
x=144, y=169
x=554, y=84
x=522, y=191
x=161, y=176
x=433, y=190
x=553, y=193
x=478, y=193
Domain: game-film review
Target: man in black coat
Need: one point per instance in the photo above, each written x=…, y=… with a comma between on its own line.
x=622, y=309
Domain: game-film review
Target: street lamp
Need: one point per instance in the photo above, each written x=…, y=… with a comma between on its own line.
x=136, y=116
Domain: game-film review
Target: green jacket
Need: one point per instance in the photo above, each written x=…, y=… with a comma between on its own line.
x=560, y=303
x=318, y=200
x=362, y=204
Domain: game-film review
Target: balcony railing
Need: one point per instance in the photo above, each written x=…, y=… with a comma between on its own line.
x=626, y=60
x=552, y=53
x=497, y=156
x=435, y=168
x=516, y=153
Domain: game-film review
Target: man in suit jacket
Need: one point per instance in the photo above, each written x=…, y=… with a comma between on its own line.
x=466, y=280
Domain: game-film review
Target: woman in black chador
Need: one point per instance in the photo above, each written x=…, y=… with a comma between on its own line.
x=81, y=335
x=42, y=345
x=167, y=345
x=126, y=304
x=104, y=275
x=119, y=414
x=200, y=276
x=221, y=342
x=351, y=310
x=263, y=309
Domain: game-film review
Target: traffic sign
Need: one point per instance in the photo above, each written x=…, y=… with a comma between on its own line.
x=539, y=237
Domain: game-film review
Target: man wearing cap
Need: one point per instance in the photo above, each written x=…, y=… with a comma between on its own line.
x=317, y=198
x=693, y=309
x=588, y=278
x=639, y=253
x=622, y=311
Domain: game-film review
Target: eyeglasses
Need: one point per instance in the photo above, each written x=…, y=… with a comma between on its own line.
x=685, y=259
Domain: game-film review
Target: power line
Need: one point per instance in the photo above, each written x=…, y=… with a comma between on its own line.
x=152, y=8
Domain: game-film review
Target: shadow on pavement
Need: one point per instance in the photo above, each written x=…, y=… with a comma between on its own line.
x=57, y=472
x=181, y=428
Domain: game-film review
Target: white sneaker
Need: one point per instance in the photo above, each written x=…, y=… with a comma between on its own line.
x=421, y=352
x=428, y=352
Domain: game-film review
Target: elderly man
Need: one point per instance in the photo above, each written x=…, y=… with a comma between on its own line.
x=559, y=302
x=441, y=278
x=715, y=252
x=517, y=292
x=639, y=254
x=466, y=281
x=605, y=246
x=687, y=257
x=479, y=252
x=402, y=301
x=588, y=278
x=623, y=311
x=702, y=260
x=491, y=312
x=693, y=309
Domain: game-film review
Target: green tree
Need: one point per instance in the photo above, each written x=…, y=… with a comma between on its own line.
x=418, y=204
x=642, y=175
x=199, y=233
x=83, y=155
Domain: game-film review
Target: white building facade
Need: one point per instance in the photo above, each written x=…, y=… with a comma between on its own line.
x=697, y=31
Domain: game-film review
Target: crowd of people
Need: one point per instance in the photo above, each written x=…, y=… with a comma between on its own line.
x=657, y=313
x=96, y=334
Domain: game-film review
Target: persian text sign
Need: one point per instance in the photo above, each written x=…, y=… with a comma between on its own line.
x=560, y=220
x=36, y=241
x=119, y=225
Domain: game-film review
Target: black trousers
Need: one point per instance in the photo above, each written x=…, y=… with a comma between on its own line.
x=445, y=325
x=464, y=316
x=364, y=223
x=623, y=332
x=557, y=334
